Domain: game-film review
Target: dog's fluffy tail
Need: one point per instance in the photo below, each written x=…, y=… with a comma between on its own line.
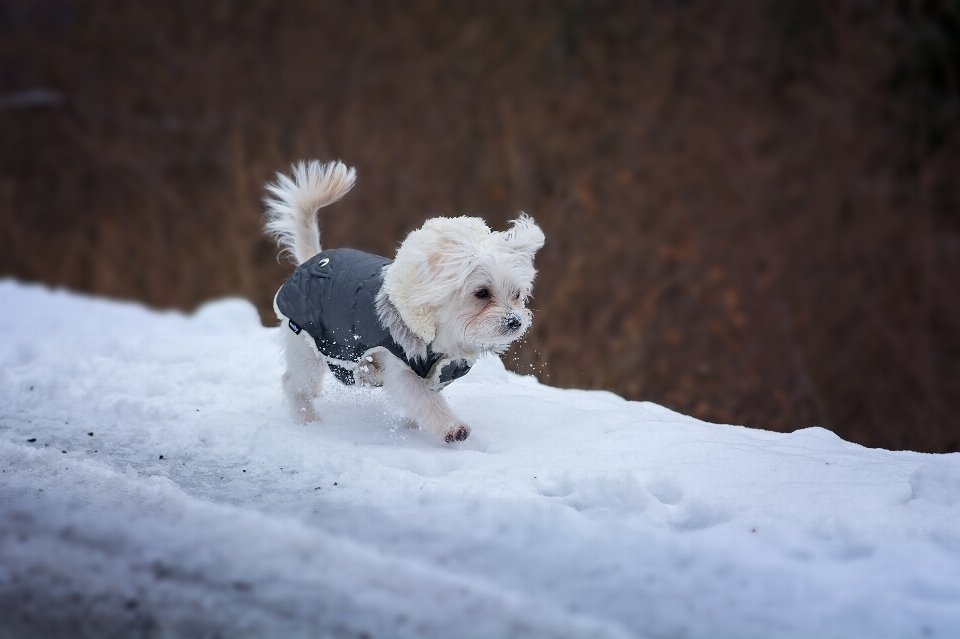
x=292, y=205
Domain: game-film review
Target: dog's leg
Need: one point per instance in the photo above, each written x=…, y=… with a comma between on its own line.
x=426, y=407
x=303, y=379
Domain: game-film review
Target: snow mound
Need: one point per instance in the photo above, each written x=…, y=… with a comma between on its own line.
x=153, y=485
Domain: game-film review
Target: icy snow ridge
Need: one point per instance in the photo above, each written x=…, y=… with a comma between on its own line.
x=566, y=514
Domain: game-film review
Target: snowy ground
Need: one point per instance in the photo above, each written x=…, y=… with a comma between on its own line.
x=566, y=514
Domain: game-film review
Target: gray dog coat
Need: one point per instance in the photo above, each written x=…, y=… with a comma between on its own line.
x=332, y=298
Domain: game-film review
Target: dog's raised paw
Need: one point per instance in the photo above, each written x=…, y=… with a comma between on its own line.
x=459, y=433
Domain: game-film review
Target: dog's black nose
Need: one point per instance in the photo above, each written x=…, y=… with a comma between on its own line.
x=512, y=323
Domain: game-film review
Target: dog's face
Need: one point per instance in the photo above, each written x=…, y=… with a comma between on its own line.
x=489, y=310
x=470, y=286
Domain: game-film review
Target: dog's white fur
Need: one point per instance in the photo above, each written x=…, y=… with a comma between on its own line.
x=432, y=295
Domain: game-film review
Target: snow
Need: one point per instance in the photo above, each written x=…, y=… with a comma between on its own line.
x=566, y=513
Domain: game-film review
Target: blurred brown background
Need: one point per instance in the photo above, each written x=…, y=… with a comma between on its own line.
x=752, y=209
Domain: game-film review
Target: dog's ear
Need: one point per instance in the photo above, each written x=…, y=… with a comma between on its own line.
x=452, y=242
x=524, y=236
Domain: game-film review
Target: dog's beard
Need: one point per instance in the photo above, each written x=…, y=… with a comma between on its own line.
x=489, y=330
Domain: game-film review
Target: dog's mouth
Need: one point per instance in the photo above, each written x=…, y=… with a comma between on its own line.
x=508, y=330
x=495, y=334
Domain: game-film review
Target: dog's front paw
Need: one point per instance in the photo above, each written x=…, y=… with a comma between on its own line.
x=303, y=413
x=457, y=434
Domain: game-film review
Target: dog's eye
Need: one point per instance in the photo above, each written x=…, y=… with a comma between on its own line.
x=516, y=296
x=482, y=294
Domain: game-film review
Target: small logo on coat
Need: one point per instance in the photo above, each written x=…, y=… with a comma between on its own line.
x=294, y=327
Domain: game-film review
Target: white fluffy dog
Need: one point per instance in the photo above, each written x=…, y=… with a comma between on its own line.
x=454, y=291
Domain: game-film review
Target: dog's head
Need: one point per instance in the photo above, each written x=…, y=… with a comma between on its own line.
x=461, y=287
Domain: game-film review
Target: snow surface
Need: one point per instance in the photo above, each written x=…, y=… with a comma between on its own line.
x=566, y=513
